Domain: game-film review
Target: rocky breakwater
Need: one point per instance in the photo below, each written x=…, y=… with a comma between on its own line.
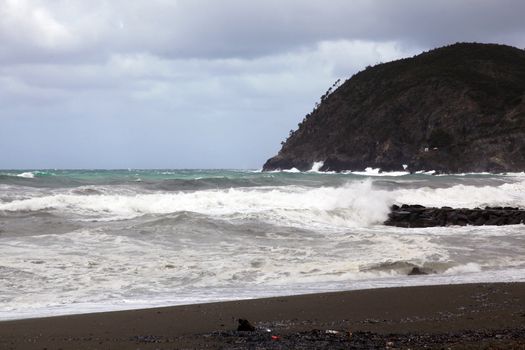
x=420, y=216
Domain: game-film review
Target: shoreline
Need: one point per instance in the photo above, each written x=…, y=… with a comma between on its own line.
x=476, y=313
x=419, y=276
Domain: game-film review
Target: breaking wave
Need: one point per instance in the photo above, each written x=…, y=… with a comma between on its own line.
x=357, y=203
x=465, y=196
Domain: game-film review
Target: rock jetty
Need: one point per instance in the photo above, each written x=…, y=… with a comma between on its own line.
x=420, y=216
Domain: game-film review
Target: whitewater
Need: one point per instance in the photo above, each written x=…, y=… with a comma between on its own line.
x=75, y=241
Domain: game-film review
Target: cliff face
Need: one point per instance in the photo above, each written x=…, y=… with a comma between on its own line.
x=459, y=108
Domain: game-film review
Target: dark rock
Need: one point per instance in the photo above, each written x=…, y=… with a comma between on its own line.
x=419, y=216
x=245, y=325
x=417, y=271
x=494, y=221
x=495, y=208
x=479, y=221
x=459, y=108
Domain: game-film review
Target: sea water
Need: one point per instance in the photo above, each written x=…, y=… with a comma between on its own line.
x=74, y=241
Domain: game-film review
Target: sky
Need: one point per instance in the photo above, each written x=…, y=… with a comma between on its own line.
x=200, y=83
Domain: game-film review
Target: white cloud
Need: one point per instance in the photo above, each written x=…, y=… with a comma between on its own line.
x=156, y=76
x=22, y=23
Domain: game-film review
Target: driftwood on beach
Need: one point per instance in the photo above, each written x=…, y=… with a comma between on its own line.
x=420, y=216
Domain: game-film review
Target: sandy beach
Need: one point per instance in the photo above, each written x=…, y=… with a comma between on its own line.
x=449, y=316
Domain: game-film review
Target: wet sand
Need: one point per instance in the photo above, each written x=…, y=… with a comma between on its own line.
x=466, y=316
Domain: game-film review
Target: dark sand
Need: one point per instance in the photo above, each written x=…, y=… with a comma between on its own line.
x=454, y=316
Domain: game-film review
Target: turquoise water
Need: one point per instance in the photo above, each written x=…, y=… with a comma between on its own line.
x=217, y=178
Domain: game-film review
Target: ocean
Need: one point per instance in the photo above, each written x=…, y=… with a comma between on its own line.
x=76, y=241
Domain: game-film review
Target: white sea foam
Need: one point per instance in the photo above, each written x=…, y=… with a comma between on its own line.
x=316, y=166
x=42, y=307
x=94, y=270
x=27, y=175
x=292, y=170
x=377, y=172
x=464, y=196
x=100, y=270
x=358, y=203
x=461, y=269
x=88, y=271
x=423, y=172
x=522, y=174
x=355, y=204
x=373, y=172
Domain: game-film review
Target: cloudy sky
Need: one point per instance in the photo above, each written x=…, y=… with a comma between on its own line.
x=200, y=83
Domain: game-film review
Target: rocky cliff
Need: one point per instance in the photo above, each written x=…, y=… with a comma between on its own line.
x=459, y=108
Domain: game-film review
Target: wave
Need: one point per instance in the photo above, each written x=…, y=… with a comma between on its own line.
x=149, y=180
x=465, y=196
x=316, y=166
x=34, y=173
x=291, y=170
x=404, y=268
x=38, y=179
x=357, y=203
x=377, y=172
x=212, y=182
x=27, y=175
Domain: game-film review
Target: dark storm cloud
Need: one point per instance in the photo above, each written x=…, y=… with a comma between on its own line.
x=234, y=28
x=280, y=25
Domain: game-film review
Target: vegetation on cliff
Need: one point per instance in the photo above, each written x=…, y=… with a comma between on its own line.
x=459, y=108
